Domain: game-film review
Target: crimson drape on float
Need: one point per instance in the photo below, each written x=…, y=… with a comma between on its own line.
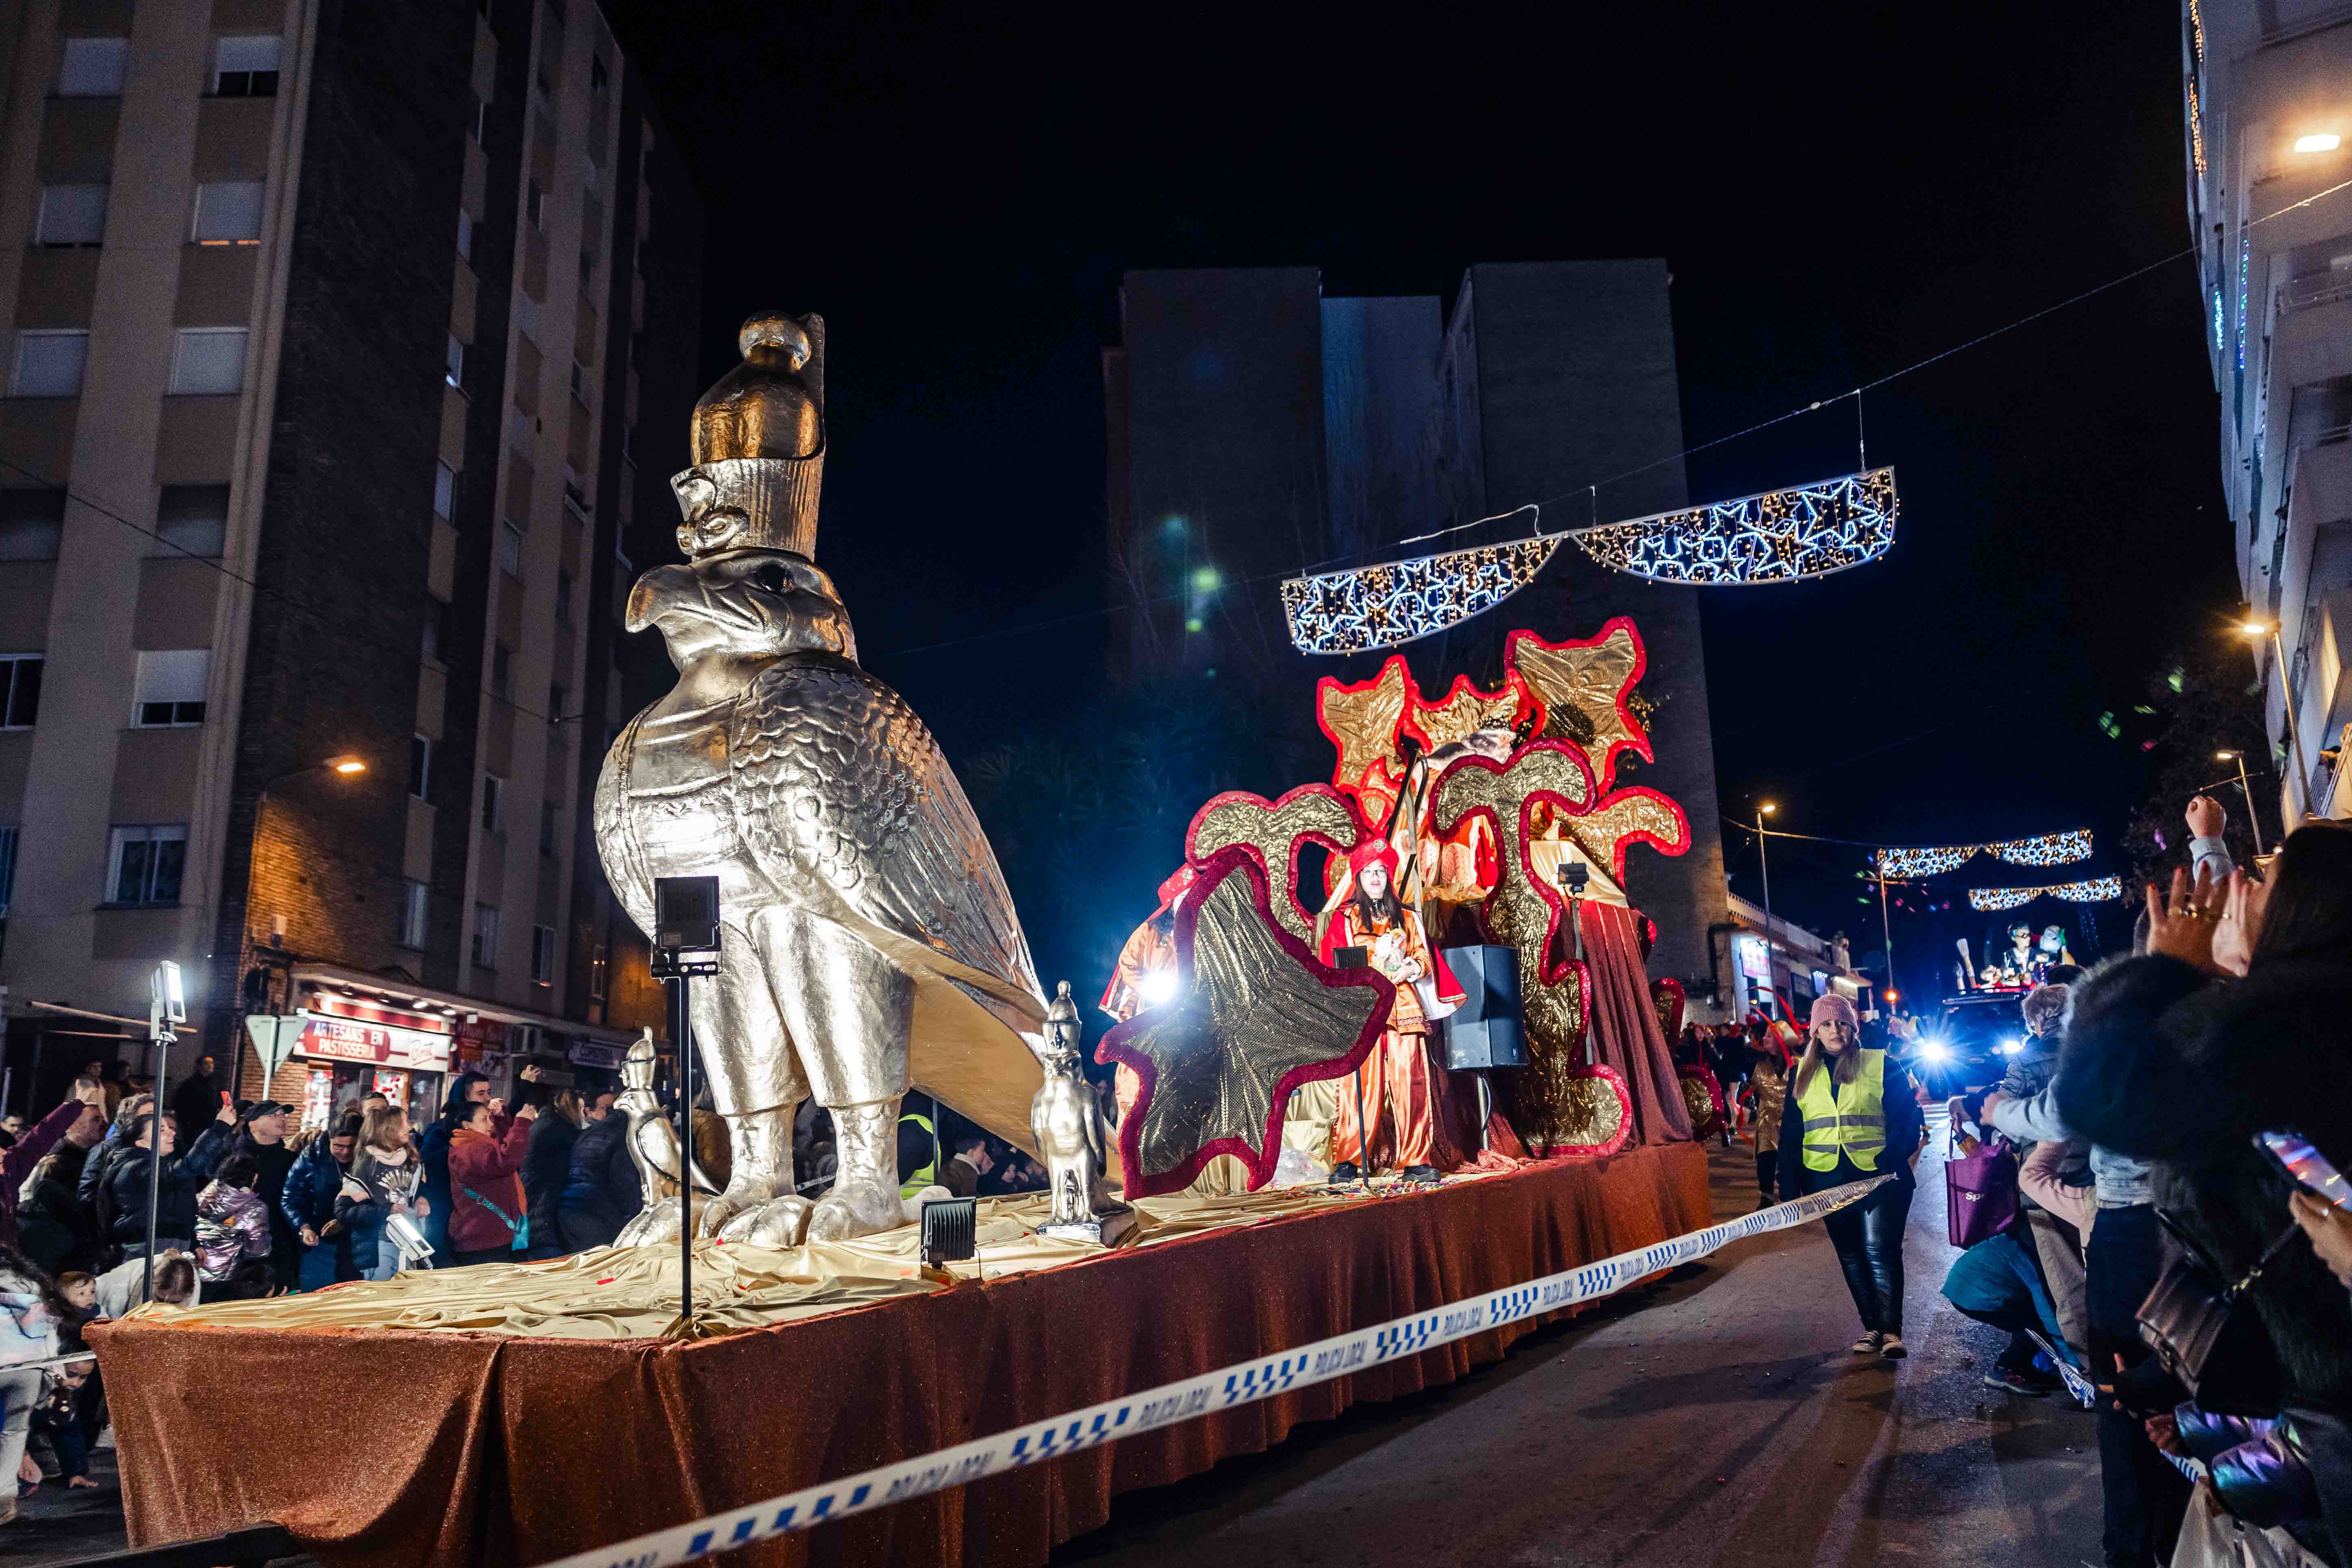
x=395, y=1448
x=1625, y=1026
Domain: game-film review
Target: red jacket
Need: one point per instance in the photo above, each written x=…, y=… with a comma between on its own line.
x=18, y=1161
x=491, y=1169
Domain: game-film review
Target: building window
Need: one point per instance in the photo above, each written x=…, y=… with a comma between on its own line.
x=494, y=804
x=192, y=520
x=420, y=766
x=172, y=687
x=534, y=204
x=445, y=491
x=563, y=601
x=542, y=955
x=48, y=364
x=32, y=523
x=414, y=897
x=478, y=121
x=228, y=212
x=502, y=673
x=71, y=216
x=558, y=700
x=597, y=73
x=580, y=383
x=465, y=235
x=587, y=270
x=510, y=550
x=20, y=689
x=436, y=630
x=547, y=814
x=208, y=360
x=245, y=67
x=144, y=864
x=7, y=867
x=453, y=363
x=597, y=961
x=526, y=315
x=486, y=936
x=518, y=432
x=628, y=443
x=92, y=67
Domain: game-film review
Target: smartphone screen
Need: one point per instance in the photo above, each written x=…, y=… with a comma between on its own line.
x=2298, y=1159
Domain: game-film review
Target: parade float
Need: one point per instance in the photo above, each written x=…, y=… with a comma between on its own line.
x=863, y=944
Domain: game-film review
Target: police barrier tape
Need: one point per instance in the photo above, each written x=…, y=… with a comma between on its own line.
x=2080, y=1388
x=1212, y=1391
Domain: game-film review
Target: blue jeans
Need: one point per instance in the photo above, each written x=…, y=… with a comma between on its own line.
x=1998, y=1282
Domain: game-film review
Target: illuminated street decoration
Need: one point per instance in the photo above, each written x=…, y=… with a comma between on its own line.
x=1779, y=536
x=2042, y=850
x=1387, y=605
x=2096, y=890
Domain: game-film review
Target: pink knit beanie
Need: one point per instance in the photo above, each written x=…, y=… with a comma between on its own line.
x=1835, y=1009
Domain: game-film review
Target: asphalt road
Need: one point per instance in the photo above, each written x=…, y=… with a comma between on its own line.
x=1716, y=1419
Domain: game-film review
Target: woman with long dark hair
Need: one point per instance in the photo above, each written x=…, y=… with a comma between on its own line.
x=1390, y=1107
x=1853, y=1115
x=2172, y=1058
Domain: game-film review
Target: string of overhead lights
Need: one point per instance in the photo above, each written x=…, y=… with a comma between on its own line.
x=2095, y=891
x=2042, y=850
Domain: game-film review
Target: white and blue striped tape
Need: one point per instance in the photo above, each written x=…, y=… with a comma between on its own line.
x=1174, y=1402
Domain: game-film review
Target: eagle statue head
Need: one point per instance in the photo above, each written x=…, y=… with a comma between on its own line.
x=745, y=604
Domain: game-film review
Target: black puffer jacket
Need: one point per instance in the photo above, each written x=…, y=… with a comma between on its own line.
x=546, y=1166
x=2163, y=1062
x=185, y=1175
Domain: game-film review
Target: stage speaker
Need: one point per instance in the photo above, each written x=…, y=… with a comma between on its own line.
x=1484, y=1031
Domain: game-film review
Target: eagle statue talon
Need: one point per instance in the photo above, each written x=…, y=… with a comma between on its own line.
x=864, y=1196
x=779, y=1221
x=656, y=1224
x=863, y=1209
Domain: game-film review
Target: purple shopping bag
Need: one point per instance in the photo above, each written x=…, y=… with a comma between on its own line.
x=1980, y=1197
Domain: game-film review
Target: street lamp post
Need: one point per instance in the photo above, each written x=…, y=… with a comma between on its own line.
x=1764, y=864
x=347, y=767
x=2253, y=818
x=2259, y=630
x=1886, y=936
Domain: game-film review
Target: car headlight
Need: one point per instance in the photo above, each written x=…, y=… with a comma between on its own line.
x=1935, y=1052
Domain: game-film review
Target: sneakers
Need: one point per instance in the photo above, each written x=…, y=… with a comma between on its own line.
x=1891, y=1347
x=1870, y=1343
x=2009, y=1381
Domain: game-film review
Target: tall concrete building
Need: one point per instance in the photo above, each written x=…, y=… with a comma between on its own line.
x=1258, y=429
x=328, y=328
x=2266, y=94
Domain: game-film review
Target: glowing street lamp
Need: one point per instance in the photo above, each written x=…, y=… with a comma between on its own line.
x=2254, y=818
x=2322, y=141
x=2254, y=632
x=1771, y=978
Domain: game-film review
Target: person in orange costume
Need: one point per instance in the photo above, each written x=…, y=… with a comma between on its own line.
x=1395, y=1086
x=1148, y=957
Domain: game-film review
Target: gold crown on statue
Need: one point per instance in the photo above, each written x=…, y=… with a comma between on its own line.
x=757, y=439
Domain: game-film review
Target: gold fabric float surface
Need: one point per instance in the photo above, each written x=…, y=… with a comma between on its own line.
x=1602, y=832
x=1550, y=1102
x=1581, y=687
x=1274, y=831
x=1364, y=724
x=1252, y=1014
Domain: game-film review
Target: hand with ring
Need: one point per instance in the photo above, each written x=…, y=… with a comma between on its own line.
x=2181, y=924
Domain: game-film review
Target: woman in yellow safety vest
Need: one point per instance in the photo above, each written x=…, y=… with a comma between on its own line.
x=1854, y=1115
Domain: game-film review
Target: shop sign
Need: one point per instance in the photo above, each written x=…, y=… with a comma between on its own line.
x=383, y=1045
x=329, y=1004
x=588, y=1053
x=1753, y=962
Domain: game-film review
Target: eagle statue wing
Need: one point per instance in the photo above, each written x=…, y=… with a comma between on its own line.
x=850, y=808
x=616, y=840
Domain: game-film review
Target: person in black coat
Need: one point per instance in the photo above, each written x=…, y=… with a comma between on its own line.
x=308, y=1205
x=92, y=1179
x=184, y=1175
x=602, y=1192
x=547, y=1166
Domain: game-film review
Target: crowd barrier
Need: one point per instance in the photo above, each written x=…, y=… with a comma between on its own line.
x=1212, y=1391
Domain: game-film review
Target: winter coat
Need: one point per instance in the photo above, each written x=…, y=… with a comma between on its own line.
x=184, y=1175
x=55, y=1229
x=17, y=1164
x=28, y=1324
x=546, y=1166
x=602, y=1193
x=232, y=1225
x=312, y=1186
x=387, y=1186
x=486, y=1183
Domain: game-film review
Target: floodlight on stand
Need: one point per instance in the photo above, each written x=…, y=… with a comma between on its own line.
x=1575, y=875
x=951, y=1230
x=686, y=914
x=169, y=1003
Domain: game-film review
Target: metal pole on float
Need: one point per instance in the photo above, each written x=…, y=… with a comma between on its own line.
x=686, y=945
x=167, y=1007
x=1886, y=936
x=1771, y=968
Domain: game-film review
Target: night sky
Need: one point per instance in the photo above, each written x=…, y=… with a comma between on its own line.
x=1839, y=196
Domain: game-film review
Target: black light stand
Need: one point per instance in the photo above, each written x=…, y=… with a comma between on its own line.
x=167, y=1008
x=1573, y=876
x=686, y=945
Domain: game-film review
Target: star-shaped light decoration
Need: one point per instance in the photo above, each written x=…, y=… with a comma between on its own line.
x=1253, y=1017
x=1584, y=687
x=1275, y=831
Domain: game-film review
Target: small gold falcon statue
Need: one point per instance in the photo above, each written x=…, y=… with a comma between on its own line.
x=869, y=942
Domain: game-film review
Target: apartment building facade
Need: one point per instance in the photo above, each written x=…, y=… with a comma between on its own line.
x=328, y=327
x=2266, y=101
